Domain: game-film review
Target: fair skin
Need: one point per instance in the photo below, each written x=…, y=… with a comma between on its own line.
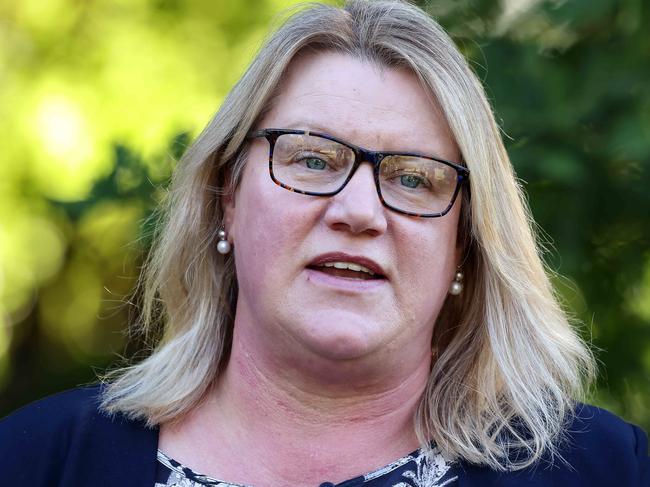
x=326, y=370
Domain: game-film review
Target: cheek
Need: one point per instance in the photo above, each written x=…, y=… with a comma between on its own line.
x=268, y=228
x=427, y=260
x=254, y=239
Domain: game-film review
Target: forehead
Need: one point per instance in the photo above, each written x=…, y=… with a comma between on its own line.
x=376, y=107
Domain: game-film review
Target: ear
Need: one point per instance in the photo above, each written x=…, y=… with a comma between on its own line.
x=228, y=207
x=463, y=232
x=460, y=249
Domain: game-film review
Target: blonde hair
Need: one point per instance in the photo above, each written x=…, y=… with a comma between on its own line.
x=508, y=366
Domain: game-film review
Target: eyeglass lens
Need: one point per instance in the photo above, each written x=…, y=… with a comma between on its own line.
x=408, y=183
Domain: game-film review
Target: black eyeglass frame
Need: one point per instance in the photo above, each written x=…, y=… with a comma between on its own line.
x=360, y=155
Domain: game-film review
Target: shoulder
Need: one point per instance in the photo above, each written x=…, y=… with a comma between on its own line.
x=67, y=405
x=614, y=451
x=598, y=449
x=596, y=430
x=48, y=422
x=68, y=436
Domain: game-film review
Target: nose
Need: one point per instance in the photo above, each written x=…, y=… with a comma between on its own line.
x=357, y=208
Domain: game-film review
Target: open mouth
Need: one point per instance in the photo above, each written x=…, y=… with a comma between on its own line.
x=347, y=270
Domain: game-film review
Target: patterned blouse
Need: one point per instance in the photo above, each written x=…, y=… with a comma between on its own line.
x=413, y=470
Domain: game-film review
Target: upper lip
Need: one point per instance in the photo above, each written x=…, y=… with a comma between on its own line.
x=343, y=257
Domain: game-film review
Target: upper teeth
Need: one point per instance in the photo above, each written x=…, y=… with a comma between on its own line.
x=349, y=265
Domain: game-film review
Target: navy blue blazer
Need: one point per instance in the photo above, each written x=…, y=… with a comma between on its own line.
x=65, y=441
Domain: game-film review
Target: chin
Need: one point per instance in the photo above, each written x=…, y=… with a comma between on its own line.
x=340, y=335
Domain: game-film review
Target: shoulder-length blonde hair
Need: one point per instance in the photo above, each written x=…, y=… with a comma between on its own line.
x=507, y=364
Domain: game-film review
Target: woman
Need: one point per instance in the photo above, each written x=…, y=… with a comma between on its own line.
x=348, y=283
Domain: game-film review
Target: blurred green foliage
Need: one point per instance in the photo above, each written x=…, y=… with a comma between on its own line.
x=99, y=99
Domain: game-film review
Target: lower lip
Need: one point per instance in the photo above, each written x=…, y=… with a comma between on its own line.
x=343, y=283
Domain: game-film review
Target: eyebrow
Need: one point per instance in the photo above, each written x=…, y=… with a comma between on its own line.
x=313, y=126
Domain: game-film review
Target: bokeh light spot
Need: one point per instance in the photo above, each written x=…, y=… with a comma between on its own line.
x=31, y=251
x=61, y=128
x=639, y=300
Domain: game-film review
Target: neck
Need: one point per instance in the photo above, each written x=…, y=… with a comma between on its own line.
x=297, y=400
x=301, y=429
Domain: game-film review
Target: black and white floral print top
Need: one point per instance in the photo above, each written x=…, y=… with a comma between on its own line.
x=414, y=470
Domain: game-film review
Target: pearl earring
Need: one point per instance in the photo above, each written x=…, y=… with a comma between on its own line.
x=223, y=247
x=457, y=284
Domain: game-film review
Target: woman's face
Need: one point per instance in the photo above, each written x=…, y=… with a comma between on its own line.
x=290, y=306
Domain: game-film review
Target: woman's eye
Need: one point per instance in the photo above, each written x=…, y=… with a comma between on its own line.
x=411, y=180
x=315, y=163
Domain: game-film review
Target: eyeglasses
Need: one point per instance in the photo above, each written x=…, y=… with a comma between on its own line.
x=318, y=164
